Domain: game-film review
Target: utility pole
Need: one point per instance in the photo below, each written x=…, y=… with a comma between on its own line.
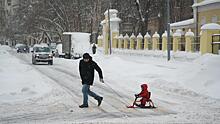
x=197, y=31
x=168, y=30
x=109, y=30
x=70, y=46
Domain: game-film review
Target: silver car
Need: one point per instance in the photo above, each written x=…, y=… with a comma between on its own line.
x=42, y=54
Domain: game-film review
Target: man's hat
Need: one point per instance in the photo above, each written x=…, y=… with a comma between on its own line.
x=86, y=56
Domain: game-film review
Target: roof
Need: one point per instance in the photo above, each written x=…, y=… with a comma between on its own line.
x=73, y=33
x=183, y=24
x=111, y=11
x=211, y=26
x=40, y=45
x=205, y=2
x=115, y=19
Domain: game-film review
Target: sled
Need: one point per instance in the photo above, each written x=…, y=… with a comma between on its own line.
x=145, y=107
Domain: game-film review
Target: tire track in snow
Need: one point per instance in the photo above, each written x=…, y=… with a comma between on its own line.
x=73, y=93
x=123, y=103
x=111, y=105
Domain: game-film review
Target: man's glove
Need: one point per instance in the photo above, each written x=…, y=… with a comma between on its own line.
x=136, y=95
x=101, y=80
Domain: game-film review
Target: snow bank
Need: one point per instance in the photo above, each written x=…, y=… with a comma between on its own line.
x=4, y=48
x=206, y=77
x=18, y=80
x=179, y=55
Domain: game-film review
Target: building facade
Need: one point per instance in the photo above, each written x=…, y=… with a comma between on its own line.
x=204, y=12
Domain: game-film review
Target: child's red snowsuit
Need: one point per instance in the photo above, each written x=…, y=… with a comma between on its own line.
x=144, y=94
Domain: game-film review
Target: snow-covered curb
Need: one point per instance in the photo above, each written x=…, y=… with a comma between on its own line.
x=20, y=83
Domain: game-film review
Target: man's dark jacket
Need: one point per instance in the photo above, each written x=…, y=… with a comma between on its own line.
x=86, y=70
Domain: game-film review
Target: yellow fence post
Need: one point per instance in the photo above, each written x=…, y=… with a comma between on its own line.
x=206, y=40
x=155, y=41
x=164, y=41
x=106, y=43
x=132, y=40
x=189, y=36
x=100, y=40
x=176, y=41
x=147, y=38
x=126, y=41
x=206, y=37
x=115, y=41
x=139, y=41
x=120, y=41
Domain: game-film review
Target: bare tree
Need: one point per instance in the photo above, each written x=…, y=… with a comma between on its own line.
x=53, y=17
x=144, y=8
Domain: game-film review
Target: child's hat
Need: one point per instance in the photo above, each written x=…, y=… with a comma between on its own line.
x=144, y=86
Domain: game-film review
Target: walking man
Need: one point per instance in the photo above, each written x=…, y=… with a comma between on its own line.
x=86, y=69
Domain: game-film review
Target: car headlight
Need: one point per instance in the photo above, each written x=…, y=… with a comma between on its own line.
x=50, y=55
x=37, y=55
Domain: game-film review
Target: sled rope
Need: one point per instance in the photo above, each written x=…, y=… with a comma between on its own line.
x=122, y=99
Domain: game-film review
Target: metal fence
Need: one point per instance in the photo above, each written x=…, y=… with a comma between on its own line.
x=182, y=44
x=215, y=43
x=196, y=44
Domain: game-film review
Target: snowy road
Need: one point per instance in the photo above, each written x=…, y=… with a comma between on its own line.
x=175, y=102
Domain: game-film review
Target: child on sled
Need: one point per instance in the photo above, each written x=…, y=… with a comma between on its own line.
x=144, y=96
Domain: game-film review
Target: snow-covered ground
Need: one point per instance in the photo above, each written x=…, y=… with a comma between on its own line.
x=18, y=80
x=185, y=89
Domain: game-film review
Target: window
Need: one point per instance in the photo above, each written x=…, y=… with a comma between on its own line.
x=1, y=3
x=214, y=19
x=9, y=2
x=42, y=49
x=203, y=21
x=1, y=13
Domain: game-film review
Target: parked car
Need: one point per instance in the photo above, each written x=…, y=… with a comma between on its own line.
x=22, y=48
x=42, y=53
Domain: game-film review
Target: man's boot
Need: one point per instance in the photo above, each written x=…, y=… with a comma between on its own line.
x=100, y=101
x=83, y=106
